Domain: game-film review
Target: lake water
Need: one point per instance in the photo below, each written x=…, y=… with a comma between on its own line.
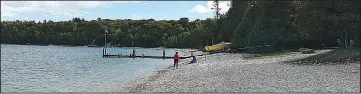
x=30, y=68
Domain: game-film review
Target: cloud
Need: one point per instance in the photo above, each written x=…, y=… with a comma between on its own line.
x=200, y=9
x=22, y=9
x=207, y=9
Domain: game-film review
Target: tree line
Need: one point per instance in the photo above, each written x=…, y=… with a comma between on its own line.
x=294, y=24
x=282, y=24
x=123, y=32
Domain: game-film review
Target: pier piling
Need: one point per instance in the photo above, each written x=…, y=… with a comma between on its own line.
x=133, y=53
x=163, y=54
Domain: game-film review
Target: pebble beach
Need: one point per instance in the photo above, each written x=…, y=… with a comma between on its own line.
x=228, y=72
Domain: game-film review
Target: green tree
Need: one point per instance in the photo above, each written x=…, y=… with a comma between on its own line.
x=245, y=26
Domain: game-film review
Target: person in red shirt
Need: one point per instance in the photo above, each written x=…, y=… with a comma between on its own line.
x=176, y=60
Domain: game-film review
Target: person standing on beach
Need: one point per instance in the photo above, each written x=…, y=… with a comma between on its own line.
x=176, y=60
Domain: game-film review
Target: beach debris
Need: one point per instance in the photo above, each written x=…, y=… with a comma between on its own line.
x=306, y=50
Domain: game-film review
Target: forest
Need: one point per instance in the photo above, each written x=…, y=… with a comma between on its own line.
x=249, y=23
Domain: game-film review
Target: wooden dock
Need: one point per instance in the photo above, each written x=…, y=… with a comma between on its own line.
x=154, y=57
x=129, y=56
x=141, y=56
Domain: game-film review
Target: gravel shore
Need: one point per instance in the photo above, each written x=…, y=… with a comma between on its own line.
x=225, y=72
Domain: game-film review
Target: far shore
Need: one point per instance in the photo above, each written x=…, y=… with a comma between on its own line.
x=155, y=48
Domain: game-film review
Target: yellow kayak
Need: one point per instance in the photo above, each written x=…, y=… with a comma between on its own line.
x=217, y=47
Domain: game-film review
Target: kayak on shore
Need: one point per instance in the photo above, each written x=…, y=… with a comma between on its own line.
x=217, y=47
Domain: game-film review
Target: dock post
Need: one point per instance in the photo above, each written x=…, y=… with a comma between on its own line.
x=163, y=54
x=133, y=53
x=105, y=51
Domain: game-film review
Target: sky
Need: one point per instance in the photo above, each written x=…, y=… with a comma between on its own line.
x=91, y=10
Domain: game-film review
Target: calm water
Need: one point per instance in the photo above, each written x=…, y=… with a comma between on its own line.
x=29, y=68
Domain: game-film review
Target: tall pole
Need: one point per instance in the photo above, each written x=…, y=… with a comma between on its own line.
x=105, y=38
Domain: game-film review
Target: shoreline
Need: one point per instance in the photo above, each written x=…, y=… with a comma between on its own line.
x=137, y=84
x=192, y=77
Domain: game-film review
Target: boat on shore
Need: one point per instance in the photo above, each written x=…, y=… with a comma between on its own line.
x=92, y=45
x=217, y=47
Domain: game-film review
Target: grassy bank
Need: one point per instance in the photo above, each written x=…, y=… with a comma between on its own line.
x=336, y=56
x=270, y=55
